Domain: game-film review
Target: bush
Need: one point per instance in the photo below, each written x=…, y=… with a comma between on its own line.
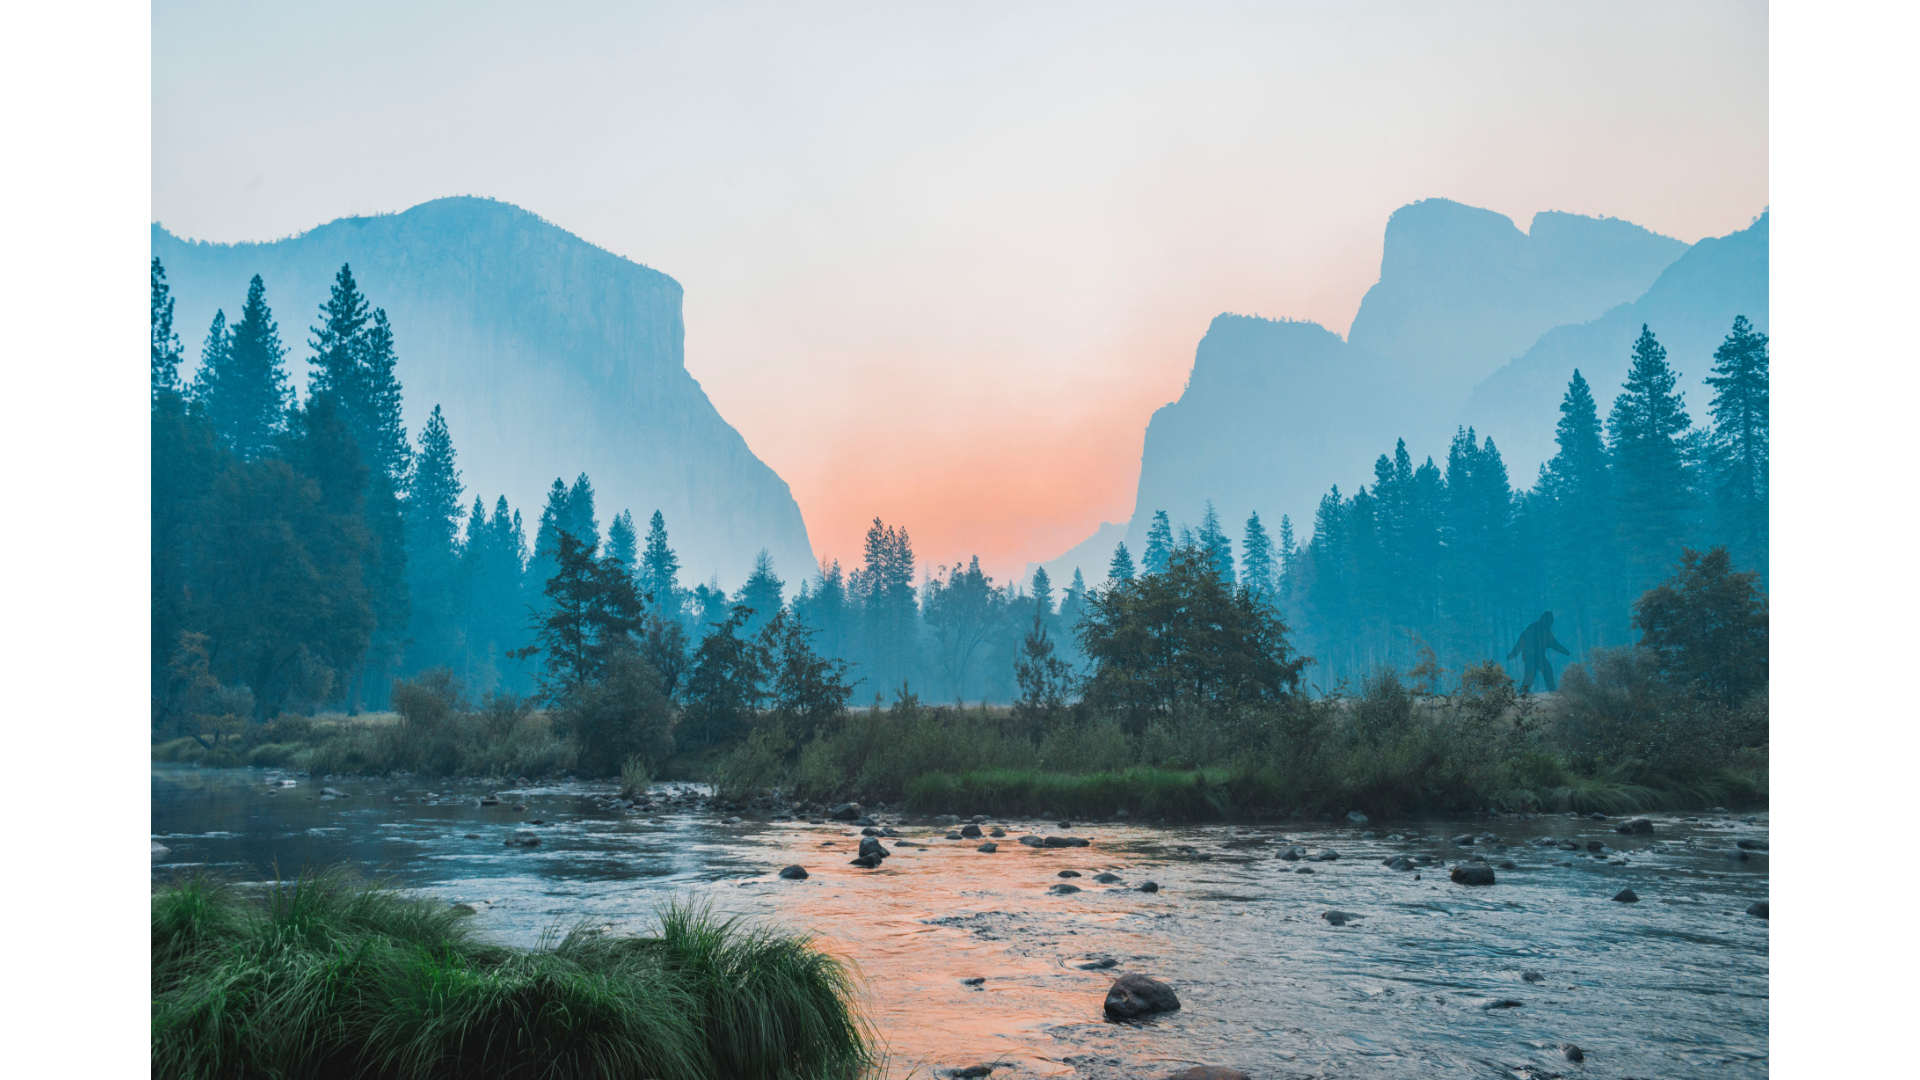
x=329, y=977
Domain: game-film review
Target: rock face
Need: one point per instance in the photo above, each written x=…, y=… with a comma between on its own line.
x=548, y=356
x=1137, y=995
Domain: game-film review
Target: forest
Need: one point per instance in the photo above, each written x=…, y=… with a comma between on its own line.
x=312, y=562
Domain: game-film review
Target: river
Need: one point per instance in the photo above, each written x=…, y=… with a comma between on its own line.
x=1430, y=979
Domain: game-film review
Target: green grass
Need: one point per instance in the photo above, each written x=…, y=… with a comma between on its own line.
x=332, y=977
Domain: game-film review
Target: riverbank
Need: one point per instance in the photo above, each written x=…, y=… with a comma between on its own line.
x=328, y=976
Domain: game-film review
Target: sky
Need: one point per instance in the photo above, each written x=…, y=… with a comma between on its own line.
x=942, y=262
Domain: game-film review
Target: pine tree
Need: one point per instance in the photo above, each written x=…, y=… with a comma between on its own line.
x=353, y=359
x=1256, y=558
x=382, y=427
x=622, y=543
x=433, y=516
x=581, y=519
x=338, y=342
x=1121, y=568
x=1575, y=498
x=1216, y=545
x=1042, y=592
x=242, y=382
x=166, y=344
x=660, y=568
x=1159, y=544
x=1646, y=433
x=763, y=591
x=1738, y=449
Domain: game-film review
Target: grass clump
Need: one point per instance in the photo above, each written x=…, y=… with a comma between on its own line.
x=333, y=977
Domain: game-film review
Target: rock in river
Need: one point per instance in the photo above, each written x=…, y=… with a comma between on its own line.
x=1064, y=889
x=845, y=812
x=1472, y=874
x=1032, y=841
x=1149, y=886
x=796, y=872
x=1137, y=995
x=160, y=850
x=1463, y=839
x=1356, y=817
x=1340, y=918
x=1069, y=873
x=867, y=862
x=1573, y=1053
x=1635, y=825
x=1064, y=841
x=971, y=832
x=989, y=847
x=870, y=846
x=1107, y=879
x=1627, y=896
x=1758, y=910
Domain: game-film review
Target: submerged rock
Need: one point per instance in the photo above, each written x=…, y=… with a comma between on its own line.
x=1069, y=873
x=1573, y=1053
x=796, y=872
x=1149, y=886
x=1627, y=896
x=1100, y=964
x=1758, y=909
x=1340, y=918
x=1464, y=839
x=523, y=839
x=1532, y=976
x=972, y=1072
x=1063, y=889
x=1398, y=862
x=1137, y=995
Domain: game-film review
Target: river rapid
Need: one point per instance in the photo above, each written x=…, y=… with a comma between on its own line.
x=968, y=957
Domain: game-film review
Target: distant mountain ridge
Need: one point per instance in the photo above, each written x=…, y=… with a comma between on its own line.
x=548, y=355
x=1471, y=322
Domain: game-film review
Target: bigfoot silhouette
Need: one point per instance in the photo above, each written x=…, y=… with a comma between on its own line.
x=1532, y=647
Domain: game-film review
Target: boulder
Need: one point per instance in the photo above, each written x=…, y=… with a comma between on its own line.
x=1751, y=845
x=849, y=811
x=1304, y=870
x=865, y=820
x=1069, y=873
x=1032, y=841
x=1532, y=976
x=868, y=862
x=1356, y=817
x=997, y=833
x=1627, y=896
x=1758, y=909
x=1339, y=918
x=1595, y=845
x=1597, y=816
x=464, y=910
x=1137, y=995
x=1464, y=839
x=971, y=832
x=971, y=1072
x=955, y=836
x=1323, y=856
x=870, y=845
x=1291, y=854
x=160, y=850
x=1149, y=886
x=989, y=847
x=1635, y=825
x=1064, y=841
x=1573, y=1053
x=523, y=839
x=1472, y=874
x=1398, y=862
x=1737, y=855
x=796, y=872
x=869, y=831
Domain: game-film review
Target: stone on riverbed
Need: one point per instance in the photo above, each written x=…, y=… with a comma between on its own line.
x=1069, y=873
x=845, y=812
x=1627, y=896
x=1635, y=825
x=1472, y=874
x=1137, y=995
x=989, y=847
x=1107, y=879
x=1033, y=841
x=1573, y=1053
x=1101, y=964
x=1398, y=862
x=1464, y=839
x=867, y=862
x=997, y=832
x=1758, y=910
x=1064, y=841
x=1149, y=886
x=971, y=832
x=1340, y=918
x=870, y=846
x=161, y=850
x=1064, y=889
x=796, y=872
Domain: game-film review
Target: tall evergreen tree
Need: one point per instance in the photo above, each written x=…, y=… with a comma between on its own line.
x=622, y=543
x=1042, y=592
x=339, y=343
x=1646, y=433
x=1121, y=568
x=1256, y=558
x=242, y=382
x=763, y=591
x=1739, y=446
x=433, y=518
x=1159, y=544
x=1574, y=495
x=582, y=522
x=166, y=344
x=889, y=606
x=660, y=569
x=1214, y=542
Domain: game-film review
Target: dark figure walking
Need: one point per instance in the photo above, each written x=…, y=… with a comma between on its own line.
x=1532, y=647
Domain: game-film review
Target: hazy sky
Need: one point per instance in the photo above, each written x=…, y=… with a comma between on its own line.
x=942, y=262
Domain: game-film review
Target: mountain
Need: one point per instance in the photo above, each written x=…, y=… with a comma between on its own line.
x=1690, y=309
x=549, y=357
x=1275, y=412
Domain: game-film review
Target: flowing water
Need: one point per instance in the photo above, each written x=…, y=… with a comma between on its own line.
x=1430, y=979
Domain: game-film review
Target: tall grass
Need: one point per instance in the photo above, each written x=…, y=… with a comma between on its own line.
x=332, y=977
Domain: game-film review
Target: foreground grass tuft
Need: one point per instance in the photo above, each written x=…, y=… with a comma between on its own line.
x=332, y=977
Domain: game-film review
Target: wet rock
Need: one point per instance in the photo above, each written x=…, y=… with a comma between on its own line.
x=1137, y=995
x=975, y=981
x=870, y=846
x=1472, y=874
x=1100, y=964
x=1752, y=845
x=1063, y=889
x=1506, y=864
x=1368, y=835
x=523, y=839
x=1503, y=1003
x=1737, y=855
x=1064, y=841
x=1595, y=845
x=865, y=820
x=1597, y=816
x=971, y=1072
x=1573, y=1053
x=796, y=872
x=1464, y=839
x=868, y=862
x=471, y=836
x=1758, y=909
x=869, y=831
x=989, y=847
x=486, y=800
x=1207, y=1072
x=845, y=812
x=1627, y=896
x=1032, y=841
x=1107, y=878
x=1291, y=854
x=1532, y=976
x=979, y=819
x=1339, y=918
x=1568, y=845
x=1638, y=825
x=1323, y=856
x=955, y=836
x=730, y=821
x=971, y=832
x=1398, y=862
x=160, y=850
x=1069, y=873
x=1357, y=817
x=1149, y=886
x=1065, y=824
x=1304, y=870
x=997, y=832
